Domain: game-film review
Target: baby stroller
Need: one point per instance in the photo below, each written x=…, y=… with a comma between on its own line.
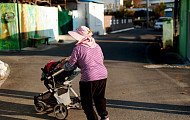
x=58, y=83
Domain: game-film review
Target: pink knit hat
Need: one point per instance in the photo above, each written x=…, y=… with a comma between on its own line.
x=83, y=36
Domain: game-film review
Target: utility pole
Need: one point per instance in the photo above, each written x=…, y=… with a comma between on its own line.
x=176, y=16
x=147, y=12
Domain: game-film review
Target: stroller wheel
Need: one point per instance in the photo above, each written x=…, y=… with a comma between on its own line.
x=60, y=111
x=78, y=105
x=40, y=106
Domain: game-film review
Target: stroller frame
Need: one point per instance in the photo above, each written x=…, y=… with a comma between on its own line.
x=61, y=103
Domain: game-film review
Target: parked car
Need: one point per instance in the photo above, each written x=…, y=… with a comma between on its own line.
x=159, y=23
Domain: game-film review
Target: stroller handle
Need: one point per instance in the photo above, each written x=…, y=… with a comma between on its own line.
x=60, y=71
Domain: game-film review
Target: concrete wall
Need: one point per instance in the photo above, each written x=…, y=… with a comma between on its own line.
x=96, y=18
x=82, y=15
x=113, y=24
x=75, y=18
x=91, y=15
x=34, y=21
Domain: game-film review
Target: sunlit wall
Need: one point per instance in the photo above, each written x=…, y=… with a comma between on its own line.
x=35, y=21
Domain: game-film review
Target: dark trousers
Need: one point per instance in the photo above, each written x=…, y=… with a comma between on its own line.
x=93, y=91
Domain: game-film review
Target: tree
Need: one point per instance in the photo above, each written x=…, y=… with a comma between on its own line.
x=127, y=3
x=159, y=9
x=121, y=13
x=109, y=6
x=134, y=3
x=137, y=3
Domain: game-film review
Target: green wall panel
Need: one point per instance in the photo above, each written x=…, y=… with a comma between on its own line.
x=64, y=22
x=184, y=18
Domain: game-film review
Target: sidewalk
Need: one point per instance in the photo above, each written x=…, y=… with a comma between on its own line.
x=63, y=40
x=161, y=56
x=53, y=44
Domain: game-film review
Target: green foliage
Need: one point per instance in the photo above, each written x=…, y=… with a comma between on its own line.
x=159, y=9
x=128, y=3
x=134, y=3
x=130, y=13
x=121, y=13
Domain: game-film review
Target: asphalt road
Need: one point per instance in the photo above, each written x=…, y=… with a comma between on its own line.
x=136, y=88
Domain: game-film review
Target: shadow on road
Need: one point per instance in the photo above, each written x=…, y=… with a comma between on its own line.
x=126, y=46
x=154, y=107
x=17, y=94
x=16, y=111
x=56, y=50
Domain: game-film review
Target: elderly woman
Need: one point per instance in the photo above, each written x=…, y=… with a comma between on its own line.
x=88, y=56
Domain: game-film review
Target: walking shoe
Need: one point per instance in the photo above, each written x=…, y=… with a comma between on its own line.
x=105, y=118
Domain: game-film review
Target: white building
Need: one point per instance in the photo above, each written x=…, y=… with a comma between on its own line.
x=90, y=14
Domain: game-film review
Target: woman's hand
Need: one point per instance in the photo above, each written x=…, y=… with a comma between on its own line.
x=65, y=60
x=62, y=62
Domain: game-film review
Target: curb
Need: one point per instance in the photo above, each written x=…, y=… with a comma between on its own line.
x=53, y=44
x=184, y=62
x=117, y=31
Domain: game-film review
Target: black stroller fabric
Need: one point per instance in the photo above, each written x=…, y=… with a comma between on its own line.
x=59, y=79
x=49, y=98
